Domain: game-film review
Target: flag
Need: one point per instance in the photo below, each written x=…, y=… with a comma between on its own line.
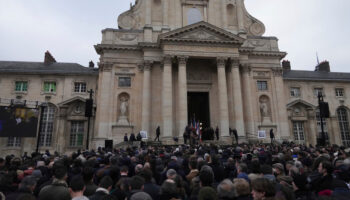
x=198, y=131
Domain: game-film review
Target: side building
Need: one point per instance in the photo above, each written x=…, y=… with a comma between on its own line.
x=302, y=88
x=63, y=87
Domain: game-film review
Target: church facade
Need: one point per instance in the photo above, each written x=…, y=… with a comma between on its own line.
x=174, y=61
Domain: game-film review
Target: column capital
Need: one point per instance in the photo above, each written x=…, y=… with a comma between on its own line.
x=167, y=59
x=221, y=61
x=105, y=66
x=235, y=62
x=182, y=60
x=146, y=65
x=246, y=68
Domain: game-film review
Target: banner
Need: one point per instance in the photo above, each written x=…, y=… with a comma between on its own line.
x=261, y=134
x=18, y=121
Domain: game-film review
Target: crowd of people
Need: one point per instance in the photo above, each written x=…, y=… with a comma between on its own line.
x=188, y=172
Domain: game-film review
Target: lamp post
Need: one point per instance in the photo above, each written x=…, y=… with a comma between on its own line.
x=322, y=115
x=42, y=110
x=88, y=114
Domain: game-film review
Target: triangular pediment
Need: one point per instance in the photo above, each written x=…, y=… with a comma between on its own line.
x=201, y=32
x=305, y=104
x=72, y=100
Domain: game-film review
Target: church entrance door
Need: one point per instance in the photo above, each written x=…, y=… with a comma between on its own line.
x=198, y=108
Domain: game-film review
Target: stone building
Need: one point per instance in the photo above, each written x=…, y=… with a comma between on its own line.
x=63, y=87
x=170, y=61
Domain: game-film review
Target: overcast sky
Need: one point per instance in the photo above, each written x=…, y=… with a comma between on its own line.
x=70, y=28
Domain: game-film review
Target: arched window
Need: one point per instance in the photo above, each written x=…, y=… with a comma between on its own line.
x=194, y=15
x=47, y=122
x=344, y=126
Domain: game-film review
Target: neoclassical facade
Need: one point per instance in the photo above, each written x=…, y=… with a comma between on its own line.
x=172, y=61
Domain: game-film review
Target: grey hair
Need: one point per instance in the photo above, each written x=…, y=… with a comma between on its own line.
x=226, y=189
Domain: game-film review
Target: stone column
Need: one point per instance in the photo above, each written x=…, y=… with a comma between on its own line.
x=167, y=98
x=237, y=99
x=146, y=96
x=182, y=94
x=223, y=103
x=240, y=15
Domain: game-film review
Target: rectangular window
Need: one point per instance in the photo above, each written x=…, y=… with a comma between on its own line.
x=76, y=134
x=14, y=142
x=21, y=86
x=298, y=129
x=339, y=92
x=49, y=86
x=318, y=91
x=295, y=92
x=80, y=87
x=262, y=85
x=124, y=82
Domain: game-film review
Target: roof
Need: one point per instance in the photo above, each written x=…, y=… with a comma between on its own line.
x=316, y=76
x=41, y=68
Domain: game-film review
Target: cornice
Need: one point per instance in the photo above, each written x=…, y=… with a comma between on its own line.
x=278, y=54
x=107, y=47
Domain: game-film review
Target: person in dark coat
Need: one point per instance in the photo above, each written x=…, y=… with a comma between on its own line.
x=90, y=187
x=126, y=139
x=104, y=188
x=235, y=134
x=149, y=187
x=217, y=133
x=272, y=136
x=157, y=134
x=325, y=182
x=132, y=138
x=58, y=187
x=26, y=187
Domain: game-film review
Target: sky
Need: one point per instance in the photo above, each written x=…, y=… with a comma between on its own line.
x=70, y=28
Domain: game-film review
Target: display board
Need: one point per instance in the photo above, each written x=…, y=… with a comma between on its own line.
x=18, y=121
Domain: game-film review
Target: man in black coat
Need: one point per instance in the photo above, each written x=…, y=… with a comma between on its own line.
x=132, y=138
x=157, y=134
x=126, y=139
x=235, y=134
x=217, y=133
x=272, y=136
x=104, y=188
x=58, y=190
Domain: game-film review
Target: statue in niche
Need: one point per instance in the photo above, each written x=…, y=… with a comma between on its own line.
x=265, y=109
x=123, y=109
x=123, y=105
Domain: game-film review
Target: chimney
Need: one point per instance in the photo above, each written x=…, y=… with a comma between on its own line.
x=286, y=65
x=91, y=64
x=323, y=67
x=49, y=59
